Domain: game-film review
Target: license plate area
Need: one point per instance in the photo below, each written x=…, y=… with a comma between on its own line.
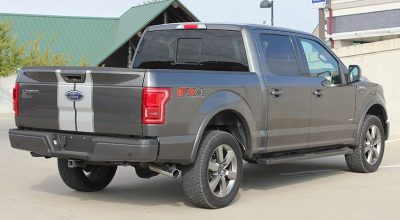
x=75, y=143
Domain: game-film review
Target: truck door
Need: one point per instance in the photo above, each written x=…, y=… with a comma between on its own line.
x=289, y=99
x=333, y=100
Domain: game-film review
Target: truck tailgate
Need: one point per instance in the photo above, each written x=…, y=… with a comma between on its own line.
x=93, y=100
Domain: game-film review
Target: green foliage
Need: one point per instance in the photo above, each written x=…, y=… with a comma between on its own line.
x=83, y=62
x=34, y=56
x=13, y=56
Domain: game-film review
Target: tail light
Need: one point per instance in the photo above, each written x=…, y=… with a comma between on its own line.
x=154, y=102
x=16, y=99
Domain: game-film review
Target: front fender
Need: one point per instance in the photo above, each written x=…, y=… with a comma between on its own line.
x=214, y=104
x=365, y=102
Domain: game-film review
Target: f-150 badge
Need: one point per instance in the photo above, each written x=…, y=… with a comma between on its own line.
x=27, y=93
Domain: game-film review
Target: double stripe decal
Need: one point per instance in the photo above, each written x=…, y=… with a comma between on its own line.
x=75, y=115
x=66, y=111
x=84, y=108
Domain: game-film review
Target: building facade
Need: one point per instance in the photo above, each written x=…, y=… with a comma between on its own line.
x=353, y=22
x=367, y=33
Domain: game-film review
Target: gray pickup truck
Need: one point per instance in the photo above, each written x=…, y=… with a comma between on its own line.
x=198, y=100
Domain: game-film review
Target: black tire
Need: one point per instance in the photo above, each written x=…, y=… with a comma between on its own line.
x=196, y=177
x=358, y=160
x=144, y=172
x=95, y=179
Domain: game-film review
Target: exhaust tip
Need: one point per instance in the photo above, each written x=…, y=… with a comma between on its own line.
x=167, y=170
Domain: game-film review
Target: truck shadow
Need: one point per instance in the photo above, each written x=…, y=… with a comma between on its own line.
x=257, y=177
x=126, y=188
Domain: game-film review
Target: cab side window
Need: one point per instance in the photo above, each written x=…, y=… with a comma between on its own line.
x=319, y=61
x=279, y=55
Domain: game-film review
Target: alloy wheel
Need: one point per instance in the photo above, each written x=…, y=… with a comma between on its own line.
x=373, y=144
x=222, y=170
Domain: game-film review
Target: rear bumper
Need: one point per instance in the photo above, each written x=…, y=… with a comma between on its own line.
x=85, y=147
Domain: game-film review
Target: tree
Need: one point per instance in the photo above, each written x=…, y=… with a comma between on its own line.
x=11, y=55
x=35, y=56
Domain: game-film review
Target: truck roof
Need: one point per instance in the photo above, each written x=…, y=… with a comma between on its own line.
x=226, y=26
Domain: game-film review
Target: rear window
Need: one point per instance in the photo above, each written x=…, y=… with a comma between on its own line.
x=216, y=50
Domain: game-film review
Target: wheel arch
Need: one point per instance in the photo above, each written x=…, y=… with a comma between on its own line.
x=234, y=123
x=379, y=111
x=223, y=117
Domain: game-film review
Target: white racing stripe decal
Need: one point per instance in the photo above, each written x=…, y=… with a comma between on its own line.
x=66, y=111
x=84, y=108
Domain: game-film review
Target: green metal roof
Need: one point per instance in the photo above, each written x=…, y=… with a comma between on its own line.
x=91, y=38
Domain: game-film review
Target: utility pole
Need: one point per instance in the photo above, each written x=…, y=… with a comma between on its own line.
x=272, y=13
x=322, y=23
x=269, y=4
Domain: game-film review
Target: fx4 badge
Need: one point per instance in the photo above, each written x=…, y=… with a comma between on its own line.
x=190, y=92
x=74, y=95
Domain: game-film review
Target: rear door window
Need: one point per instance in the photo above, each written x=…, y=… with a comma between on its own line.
x=216, y=50
x=279, y=55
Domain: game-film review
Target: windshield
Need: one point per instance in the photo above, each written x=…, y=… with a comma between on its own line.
x=216, y=50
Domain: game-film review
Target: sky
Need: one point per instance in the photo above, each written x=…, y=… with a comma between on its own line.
x=296, y=14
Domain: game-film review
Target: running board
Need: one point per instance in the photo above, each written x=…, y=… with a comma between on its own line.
x=304, y=156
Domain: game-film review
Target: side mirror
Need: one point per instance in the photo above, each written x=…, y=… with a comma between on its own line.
x=354, y=74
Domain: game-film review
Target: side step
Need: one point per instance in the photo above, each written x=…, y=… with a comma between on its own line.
x=304, y=156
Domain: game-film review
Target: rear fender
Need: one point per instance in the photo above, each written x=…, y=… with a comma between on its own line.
x=216, y=103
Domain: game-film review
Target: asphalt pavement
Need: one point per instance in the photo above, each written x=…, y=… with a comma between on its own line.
x=30, y=188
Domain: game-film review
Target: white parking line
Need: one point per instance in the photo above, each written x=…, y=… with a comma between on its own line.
x=391, y=166
x=394, y=140
x=6, y=118
x=324, y=171
x=307, y=172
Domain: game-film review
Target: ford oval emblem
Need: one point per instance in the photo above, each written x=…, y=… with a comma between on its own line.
x=74, y=96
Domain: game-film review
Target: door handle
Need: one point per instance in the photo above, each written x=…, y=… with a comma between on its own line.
x=317, y=93
x=74, y=77
x=275, y=93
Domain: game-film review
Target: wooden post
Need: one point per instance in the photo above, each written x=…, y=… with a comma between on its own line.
x=129, y=53
x=322, y=22
x=165, y=18
x=331, y=27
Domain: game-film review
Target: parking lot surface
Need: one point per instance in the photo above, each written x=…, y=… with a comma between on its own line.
x=30, y=188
